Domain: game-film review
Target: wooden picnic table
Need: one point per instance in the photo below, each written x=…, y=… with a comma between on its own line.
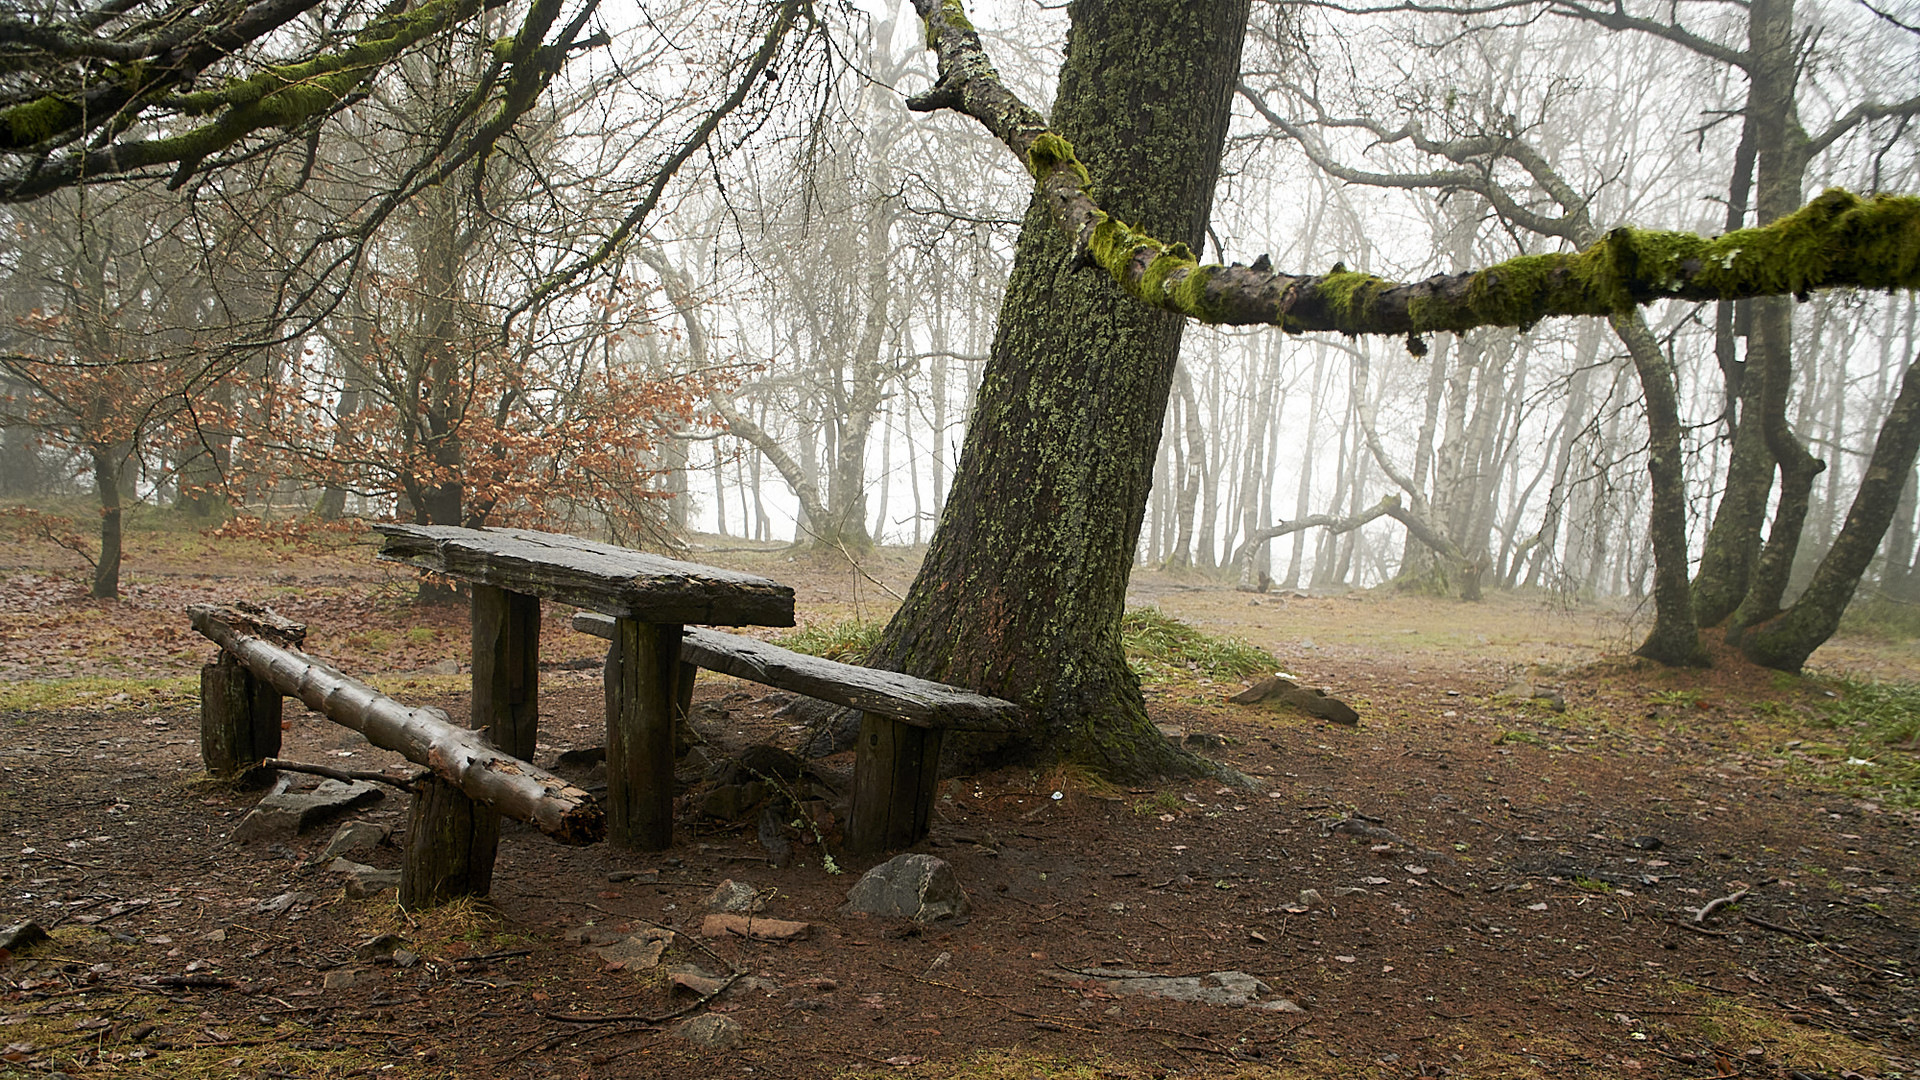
x=650, y=599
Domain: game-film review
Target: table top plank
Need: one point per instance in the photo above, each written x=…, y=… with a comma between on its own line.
x=587, y=574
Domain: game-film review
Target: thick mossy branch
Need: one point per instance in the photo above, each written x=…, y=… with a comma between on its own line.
x=286, y=95
x=1838, y=240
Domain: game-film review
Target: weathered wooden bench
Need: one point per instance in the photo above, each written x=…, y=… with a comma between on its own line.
x=897, y=760
x=648, y=598
x=453, y=824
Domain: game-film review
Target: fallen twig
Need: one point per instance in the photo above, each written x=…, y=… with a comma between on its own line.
x=346, y=776
x=1711, y=907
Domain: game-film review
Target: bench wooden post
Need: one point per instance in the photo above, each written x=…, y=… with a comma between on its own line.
x=643, y=676
x=239, y=718
x=895, y=775
x=451, y=844
x=506, y=668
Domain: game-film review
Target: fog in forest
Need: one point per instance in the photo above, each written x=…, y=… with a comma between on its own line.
x=621, y=324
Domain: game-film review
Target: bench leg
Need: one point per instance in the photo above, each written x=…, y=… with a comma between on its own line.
x=451, y=843
x=643, y=676
x=896, y=771
x=239, y=718
x=506, y=668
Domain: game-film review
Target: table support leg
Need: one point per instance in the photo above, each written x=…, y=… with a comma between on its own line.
x=506, y=668
x=642, y=693
x=896, y=771
x=451, y=844
x=239, y=718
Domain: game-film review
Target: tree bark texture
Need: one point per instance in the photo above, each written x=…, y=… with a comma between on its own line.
x=1786, y=641
x=1674, y=639
x=239, y=718
x=451, y=844
x=107, y=464
x=1023, y=585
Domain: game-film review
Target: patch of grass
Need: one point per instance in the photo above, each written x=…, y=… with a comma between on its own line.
x=1507, y=738
x=99, y=692
x=850, y=641
x=1160, y=647
x=1881, y=619
x=1881, y=713
x=1165, y=802
x=1725, y=1023
x=1679, y=699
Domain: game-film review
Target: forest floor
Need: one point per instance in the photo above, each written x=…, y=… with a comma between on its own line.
x=1535, y=891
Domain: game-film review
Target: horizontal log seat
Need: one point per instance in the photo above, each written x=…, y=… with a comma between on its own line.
x=896, y=766
x=454, y=821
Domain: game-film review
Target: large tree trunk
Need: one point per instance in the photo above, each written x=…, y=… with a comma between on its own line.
x=1785, y=642
x=1023, y=585
x=1674, y=640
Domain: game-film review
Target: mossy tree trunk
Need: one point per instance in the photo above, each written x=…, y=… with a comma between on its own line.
x=1025, y=580
x=1786, y=641
x=1733, y=541
x=1674, y=640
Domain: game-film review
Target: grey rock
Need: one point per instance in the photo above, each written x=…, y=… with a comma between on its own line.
x=735, y=896
x=1311, y=898
x=733, y=802
x=367, y=882
x=1276, y=691
x=22, y=936
x=1229, y=988
x=353, y=838
x=341, y=978
x=286, y=901
x=289, y=813
x=918, y=887
x=641, y=952
x=712, y=1031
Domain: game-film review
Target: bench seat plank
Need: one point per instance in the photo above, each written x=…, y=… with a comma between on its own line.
x=919, y=702
x=587, y=574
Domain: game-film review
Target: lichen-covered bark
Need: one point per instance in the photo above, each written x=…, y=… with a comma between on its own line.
x=1674, y=639
x=1786, y=641
x=1836, y=240
x=1022, y=589
x=1772, y=350
x=1733, y=542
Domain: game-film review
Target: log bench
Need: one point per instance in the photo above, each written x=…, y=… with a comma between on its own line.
x=453, y=822
x=897, y=760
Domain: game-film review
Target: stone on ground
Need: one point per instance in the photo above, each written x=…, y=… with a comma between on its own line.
x=917, y=887
x=288, y=813
x=737, y=897
x=712, y=1031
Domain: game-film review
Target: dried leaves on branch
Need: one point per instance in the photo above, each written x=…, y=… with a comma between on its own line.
x=1837, y=240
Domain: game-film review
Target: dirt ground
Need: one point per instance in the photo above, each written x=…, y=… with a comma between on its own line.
x=1469, y=883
